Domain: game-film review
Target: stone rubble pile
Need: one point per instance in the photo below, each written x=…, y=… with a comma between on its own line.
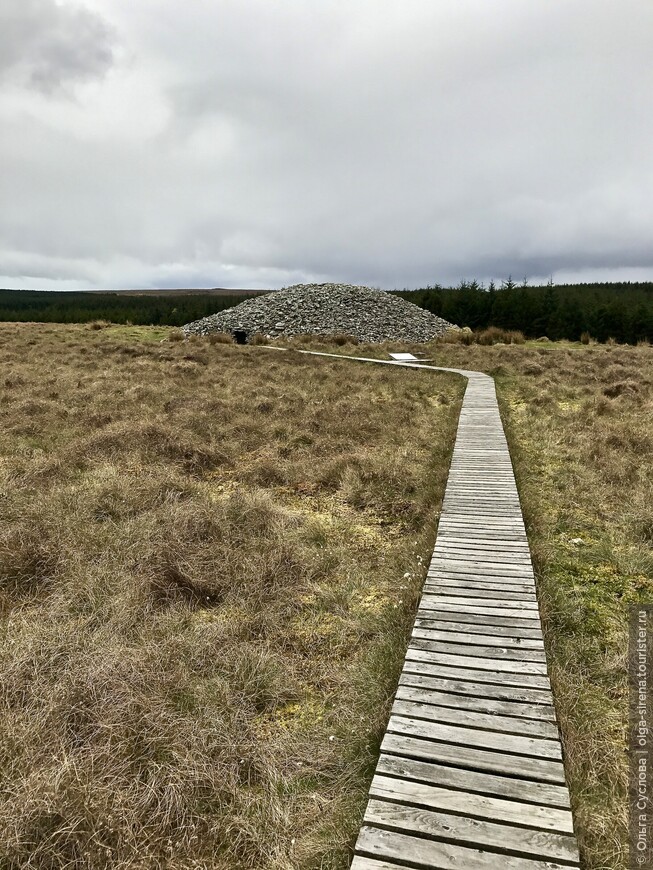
x=326, y=309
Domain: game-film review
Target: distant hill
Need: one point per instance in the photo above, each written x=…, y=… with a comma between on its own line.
x=213, y=291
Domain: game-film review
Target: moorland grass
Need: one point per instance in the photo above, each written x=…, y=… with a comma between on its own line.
x=134, y=463
x=579, y=421
x=210, y=558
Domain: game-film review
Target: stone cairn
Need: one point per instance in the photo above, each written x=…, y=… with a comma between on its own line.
x=325, y=309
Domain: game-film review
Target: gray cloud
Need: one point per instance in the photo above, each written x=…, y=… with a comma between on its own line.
x=48, y=46
x=253, y=144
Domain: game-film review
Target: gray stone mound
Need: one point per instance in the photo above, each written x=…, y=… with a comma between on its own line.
x=326, y=309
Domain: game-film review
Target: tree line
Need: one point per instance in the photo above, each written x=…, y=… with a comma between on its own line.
x=622, y=311
x=167, y=309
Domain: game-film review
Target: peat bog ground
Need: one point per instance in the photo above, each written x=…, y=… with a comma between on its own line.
x=209, y=561
x=579, y=421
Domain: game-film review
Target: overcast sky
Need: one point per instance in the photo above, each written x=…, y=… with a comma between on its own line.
x=251, y=143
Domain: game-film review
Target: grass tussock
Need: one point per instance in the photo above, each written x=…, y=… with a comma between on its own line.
x=209, y=561
x=578, y=419
x=490, y=335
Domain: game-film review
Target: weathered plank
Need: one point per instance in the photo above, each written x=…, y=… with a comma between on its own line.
x=498, y=666
x=424, y=695
x=513, y=743
x=481, y=570
x=504, y=691
x=479, y=806
x=484, y=565
x=362, y=863
x=465, y=830
x=457, y=633
x=486, y=652
x=431, y=711
x=461, y=758
x=521, y=587
x=429, y=853
x=474, y=626
x=498, y=678
x=521, y=615
x=474, y=622
x=496, y=557
x=434, y=576
x=450, y=537
x=469, y=590
x=527, y=791
x=443, y=598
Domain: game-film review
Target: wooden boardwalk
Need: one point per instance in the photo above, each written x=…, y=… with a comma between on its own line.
x=470, y=773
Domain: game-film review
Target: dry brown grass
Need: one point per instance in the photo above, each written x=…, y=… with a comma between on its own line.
x=208, y=568
x=579, y=422
x=488, y=336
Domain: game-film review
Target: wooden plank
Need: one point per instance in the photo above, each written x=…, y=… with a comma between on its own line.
x=434, y=604
x=422, y=853
x=483, y=566
x=484, y=523
x=479, y=510
x=514, y=744
x=481, y=576
x=463, y=511
x=475, y=623
x=463, y=590
x=482, y=570
x=503, y=544
x=492, y=485
x=432, y=712
x=515, y=532
x=491, y=555
x=449, y=586
x=505, y=691
x=498, y=496
x=474, y=758
x=492, y=665
x=484, y=526
x=476, y=831
x=425, y=695
x=458, y=634
x=495, y=549
x=460, y=472
x=491, y=505
x=496, y=557
x=422, y=665
x=510, y=604
x=360, y=862
x=451, y=536
x=507, y=787
x=471, y=538
x=401, y=790
x=456, y=581
x=487, y=652
x=476, y=506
